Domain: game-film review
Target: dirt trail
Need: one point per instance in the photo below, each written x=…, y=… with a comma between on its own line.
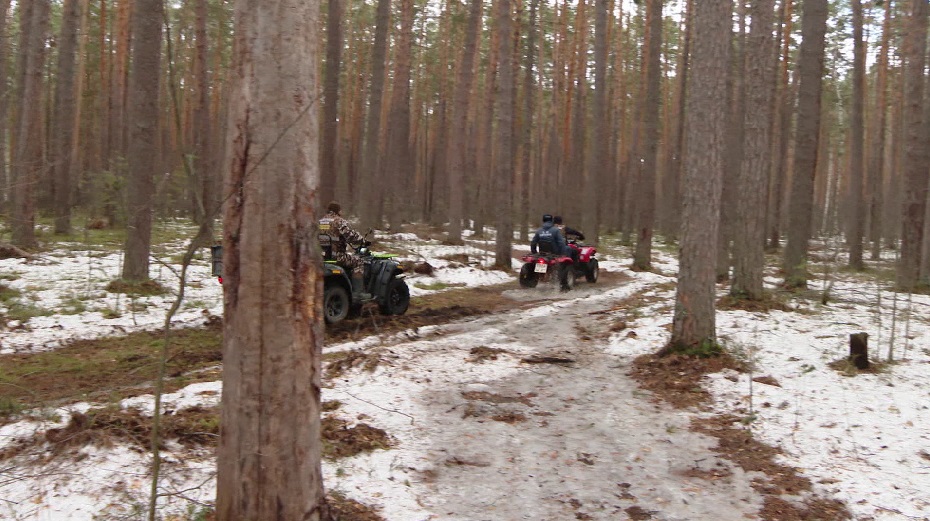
x=557, y=441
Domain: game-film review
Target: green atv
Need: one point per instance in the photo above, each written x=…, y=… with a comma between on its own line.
x=383, y=282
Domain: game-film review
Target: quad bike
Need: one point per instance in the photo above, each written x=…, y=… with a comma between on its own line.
x=382, y=282
x=547, y=267
x=584, y=262
x=382, y=279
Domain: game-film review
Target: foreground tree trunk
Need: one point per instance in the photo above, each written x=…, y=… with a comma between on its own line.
x=144, y=86
x=705, y=126
x=269, y=453
x=915, y=148
x=807, y=134
x=749, y=237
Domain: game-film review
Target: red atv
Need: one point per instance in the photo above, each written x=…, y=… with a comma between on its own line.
x=547, y=267
x=584, y=262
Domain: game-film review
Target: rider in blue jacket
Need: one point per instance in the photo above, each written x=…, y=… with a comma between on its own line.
x=548, y=238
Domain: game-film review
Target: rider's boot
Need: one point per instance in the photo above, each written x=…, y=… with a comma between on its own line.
x=358, y=288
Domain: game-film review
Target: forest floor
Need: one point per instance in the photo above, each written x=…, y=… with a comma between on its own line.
x=493, y=402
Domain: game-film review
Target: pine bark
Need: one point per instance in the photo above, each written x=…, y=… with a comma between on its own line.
x=857, y=145
x=915, y=147
x=144, y=89
x=270, y=449
x=749, y=238
x=807, y=134
x=784, y=104
x=503, y=150
x=369, y=195
x=879, y=136
x=652, y=75
x=329, y=141
x=4, y=99
x=457, y=150
x=28, y=162
x=694, y=323
x=600, y=147
x=398, y=151
x=65, y=110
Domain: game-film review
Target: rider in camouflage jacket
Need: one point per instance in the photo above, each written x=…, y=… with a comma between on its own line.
x=336, y=235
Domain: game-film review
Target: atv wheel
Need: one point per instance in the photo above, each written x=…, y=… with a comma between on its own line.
x=336, y=303
x=566, y=277
x=396, y=299
x=592, y=272
x=528, y=276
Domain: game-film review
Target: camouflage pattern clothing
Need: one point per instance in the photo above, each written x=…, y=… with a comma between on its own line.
x=335, y=236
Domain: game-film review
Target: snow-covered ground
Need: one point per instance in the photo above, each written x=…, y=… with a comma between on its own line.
x=587, y=430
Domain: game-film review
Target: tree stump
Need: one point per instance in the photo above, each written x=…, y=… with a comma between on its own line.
x=859, y=350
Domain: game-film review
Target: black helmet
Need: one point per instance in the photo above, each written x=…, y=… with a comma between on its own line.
x=547, y=217
x=557, y=219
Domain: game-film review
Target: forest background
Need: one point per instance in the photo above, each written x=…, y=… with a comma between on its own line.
x=110, y=116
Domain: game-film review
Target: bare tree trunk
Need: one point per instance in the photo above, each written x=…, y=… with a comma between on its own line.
x=784, y=106
x=807, y=134
x=597, y=164
x=28, y=162
x=328, y=145
x=694, y=323
x=205, y=192
x=399, y=153
x=4, y=101
x=915, y=147
x=503, y=152
x=144, y=84
x=269, y=453
x=877, y=160
x=749, y=239
x=652, y=75
x=369, y=195
x=65, y=110
x=857, y=146
x=672, y=199
x=530, y=174
x=456, y=151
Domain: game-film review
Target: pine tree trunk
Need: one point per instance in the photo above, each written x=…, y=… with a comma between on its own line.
x=503, y=150
x=877, y=159
x=399, y=153
x=784, y=104
x=857, y=146
x=206, y=193
x=65, y=110
x=4, y=100
x=28, y=162
x=705, y=126
x=144, y=84
x=597, y=162
x=456, y=152
x=749, y=237
x=652, y=75
x=369, y=193
x=915, y=147
x=529, y=173
x=328, y=173
x=268, y=459
x=807, y=134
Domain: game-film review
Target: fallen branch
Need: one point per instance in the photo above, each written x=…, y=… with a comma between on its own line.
x=547, y=360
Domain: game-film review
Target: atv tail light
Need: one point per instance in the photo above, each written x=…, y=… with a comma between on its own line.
x=220, y=279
